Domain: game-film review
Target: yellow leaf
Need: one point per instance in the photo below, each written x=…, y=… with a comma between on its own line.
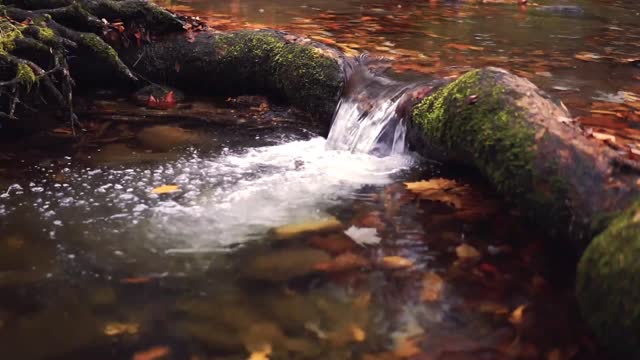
x=262, y=354
x=358, y=334
x=165, y=189
x=396, y=262
x=293, y=230
x=516, y=315
x=467, y=252
x=444, y=190
x=432, y=285
x=153, y=353
x=116, y=328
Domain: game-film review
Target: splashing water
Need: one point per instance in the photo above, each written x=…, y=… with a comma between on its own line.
x=370, y=117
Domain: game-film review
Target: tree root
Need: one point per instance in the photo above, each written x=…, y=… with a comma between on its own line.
x=38, y=38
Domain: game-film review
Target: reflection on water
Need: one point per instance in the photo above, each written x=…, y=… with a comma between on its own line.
x=579, y=56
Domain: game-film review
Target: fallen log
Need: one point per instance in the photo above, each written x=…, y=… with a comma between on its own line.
x=570, y=186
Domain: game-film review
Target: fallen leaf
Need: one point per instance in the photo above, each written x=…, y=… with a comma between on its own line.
x=358, y=334
x=586, y=56
x=396, y=262
x=463, y=47
x=603, y=136
x=516, y=315
x=153, y=353
x=363, y=236
x=293, y=230
x=432, y=286
x=117, y=328
x=262, y=354
x=443, y=190
x=165, y=189
x=467, y=252
x=136, y=280
x=344, y=262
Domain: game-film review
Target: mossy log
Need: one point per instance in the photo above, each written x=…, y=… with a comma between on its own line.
x=302, y=73
x=528, y=147
x=608, y=285
x=571, y=186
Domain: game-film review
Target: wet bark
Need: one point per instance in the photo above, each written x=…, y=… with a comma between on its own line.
x=530, y=149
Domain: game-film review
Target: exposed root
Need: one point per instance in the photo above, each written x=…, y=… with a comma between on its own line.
x=37, y=38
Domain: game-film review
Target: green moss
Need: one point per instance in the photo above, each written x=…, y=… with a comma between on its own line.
x=96, y=45
x=8, y=34
x=470, y=119
x=477, y=121
x=26, y=75
x=608, y=284
x=300, y=73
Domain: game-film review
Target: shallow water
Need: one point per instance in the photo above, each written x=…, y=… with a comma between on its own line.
x=93, y=264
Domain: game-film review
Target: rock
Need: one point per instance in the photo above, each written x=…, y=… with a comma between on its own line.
x=166, y=137
x=284, y=264
x=608, y=285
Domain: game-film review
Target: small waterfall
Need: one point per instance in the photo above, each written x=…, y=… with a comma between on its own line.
x=372, y=113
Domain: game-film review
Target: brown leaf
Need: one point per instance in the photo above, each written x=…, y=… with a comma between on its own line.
x=344, y=262
x=432, y=286
x=517, y=315
x=467, y=252
x=443, y=190
x=117, y=328
x=396, y=262
x=153, y=353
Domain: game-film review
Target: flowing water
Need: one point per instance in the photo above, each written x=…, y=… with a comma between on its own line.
x=277, y=243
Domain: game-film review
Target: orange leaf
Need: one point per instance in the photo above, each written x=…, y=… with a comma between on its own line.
x=396, y=262
x=153, y=353
x=432, y=285
x=135, y=280
x=516, y=315
x=165, y=189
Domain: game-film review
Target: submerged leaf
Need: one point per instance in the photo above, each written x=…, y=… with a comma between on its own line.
x=116, y=328
x=467, y=252
x=432, y=286
x=293, y=230
x=444, y=190
x=396, y=262
x=153, y=353
x=165, y=189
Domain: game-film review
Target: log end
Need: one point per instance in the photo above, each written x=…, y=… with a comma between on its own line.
x=607, y=284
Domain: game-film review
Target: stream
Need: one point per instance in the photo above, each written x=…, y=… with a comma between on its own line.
x=254, y=235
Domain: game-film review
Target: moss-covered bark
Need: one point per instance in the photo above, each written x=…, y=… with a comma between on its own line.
x=608, y=285
x=304, y=74
x=526, y=146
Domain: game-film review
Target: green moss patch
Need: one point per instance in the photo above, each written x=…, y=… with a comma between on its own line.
x=301, y=74
x=608, y=284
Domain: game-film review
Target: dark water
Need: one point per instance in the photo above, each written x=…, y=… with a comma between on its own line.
x=590, y=59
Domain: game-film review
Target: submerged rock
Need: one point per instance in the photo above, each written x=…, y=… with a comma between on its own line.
x=166, y=137
x=608, y=285
x=284, y=264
